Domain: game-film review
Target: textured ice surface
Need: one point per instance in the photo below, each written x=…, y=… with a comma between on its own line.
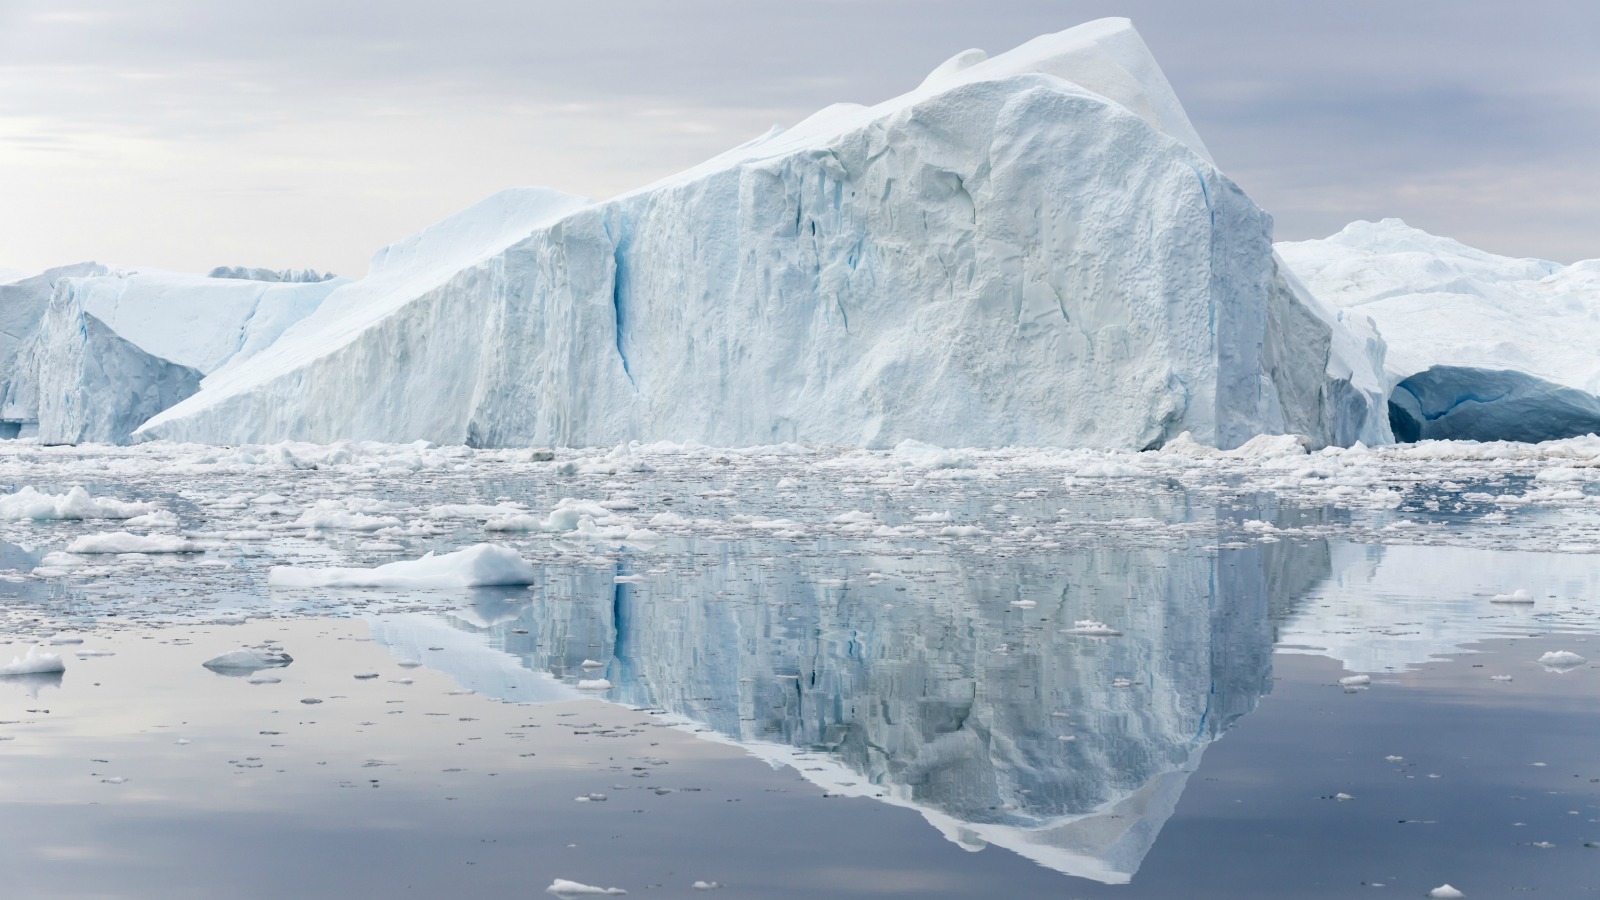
x=1480, y=346
x=1029, y=249
x=34, y=662
x=484, y=564
x=250, y=659
x=123, y=542
x=29, y=503
x=103, y=351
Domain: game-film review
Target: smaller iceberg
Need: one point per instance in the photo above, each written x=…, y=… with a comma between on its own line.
x=481, y=565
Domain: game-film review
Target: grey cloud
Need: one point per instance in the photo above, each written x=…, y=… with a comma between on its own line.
x=1324, y=112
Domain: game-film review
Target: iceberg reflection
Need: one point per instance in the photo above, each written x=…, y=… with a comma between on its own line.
x=942, y=683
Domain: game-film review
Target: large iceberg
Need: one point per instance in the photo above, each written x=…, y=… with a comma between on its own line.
x=93, y=352
x=1033, y=248
x=1480, y=347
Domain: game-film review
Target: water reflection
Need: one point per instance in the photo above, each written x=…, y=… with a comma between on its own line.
x=946, y=684
x=33, y=683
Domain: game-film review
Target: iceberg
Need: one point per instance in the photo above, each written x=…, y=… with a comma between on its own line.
x=34, y=662
x=1033, y=248
x=1480, y=347
x=103, y=351
x=477, y=566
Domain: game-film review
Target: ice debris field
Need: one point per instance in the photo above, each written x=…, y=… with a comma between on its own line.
x=1026, y=650
x=973, y=461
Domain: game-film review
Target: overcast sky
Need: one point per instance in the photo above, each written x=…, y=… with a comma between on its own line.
x=185, y=134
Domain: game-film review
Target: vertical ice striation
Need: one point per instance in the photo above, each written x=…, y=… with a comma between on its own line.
x=1033, y=248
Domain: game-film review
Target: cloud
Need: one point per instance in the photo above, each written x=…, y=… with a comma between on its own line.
x=384, y=114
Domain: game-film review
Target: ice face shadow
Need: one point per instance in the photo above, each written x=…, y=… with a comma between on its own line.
x=947, y=684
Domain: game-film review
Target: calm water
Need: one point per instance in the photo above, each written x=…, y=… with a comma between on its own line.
x=819, y=675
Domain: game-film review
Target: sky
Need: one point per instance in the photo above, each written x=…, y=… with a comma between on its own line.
x=187, y=134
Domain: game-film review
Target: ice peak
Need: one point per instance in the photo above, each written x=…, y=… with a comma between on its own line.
x=962, y=61
x=1106, y=56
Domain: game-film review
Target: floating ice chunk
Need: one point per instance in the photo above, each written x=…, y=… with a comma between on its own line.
x=1355, y=680
x=161, y=518
x=515, y=522
x=74, y=504
x=87, y=653
x=1108, y=469
x=123, y=542
x=561, y=887
x=1561, y=660
x=264, y=679
x=1499, y=677
x=249, y=658
x=1445, y=892
x=66, y=637
x=477, y=566
x=705, y=885
x=115, y=779
x=960, y=531
x=330, y=514
x=34, y=662
x=594, y=684
x=1342, y=796
x=1091, y=628
x=592, y=664
x=570, y=513
x=1519, y=595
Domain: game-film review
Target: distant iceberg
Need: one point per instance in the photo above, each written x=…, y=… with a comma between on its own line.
x=1480, y=347
x=91, y=353
x=1033, y=248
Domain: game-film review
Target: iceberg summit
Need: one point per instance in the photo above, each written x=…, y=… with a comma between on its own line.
x=1033, y=248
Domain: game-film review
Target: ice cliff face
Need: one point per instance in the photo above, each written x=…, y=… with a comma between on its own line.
x=1480, y=347
x=1029, y=249
x=105, y=351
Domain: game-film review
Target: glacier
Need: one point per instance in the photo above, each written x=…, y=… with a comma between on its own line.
x=92, y=352
x=1480, y=347
x=1033, y=248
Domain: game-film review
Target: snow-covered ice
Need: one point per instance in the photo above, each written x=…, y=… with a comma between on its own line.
x=562, y=887
x=124, y=542
x=34, y=662
x=249, y=658
x=480, y=565
x=109, y=349
x=76, y=503
x=1561, y=660
x=1480, y=347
